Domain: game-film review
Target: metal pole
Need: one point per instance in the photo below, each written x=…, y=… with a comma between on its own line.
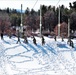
x=21, y=25
x=20, y=28
x=40, y=20
x=68, y=27
x=59, y=23
x=21, y=20
x=18, y=35
x=21, y=13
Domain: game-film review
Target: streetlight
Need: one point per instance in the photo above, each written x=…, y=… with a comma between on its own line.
x=20, y=29
x=68, y=27
x=59, y=23
x=40, y=21
x=21, y=25
x=58, y=30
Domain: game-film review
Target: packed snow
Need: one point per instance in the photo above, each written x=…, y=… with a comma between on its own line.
x=52, y=58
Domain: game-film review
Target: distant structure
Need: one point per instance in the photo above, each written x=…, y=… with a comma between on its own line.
x=63, y=30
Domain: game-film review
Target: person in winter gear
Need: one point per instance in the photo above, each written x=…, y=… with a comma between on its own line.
x=1, y=35
x=55, y=38
x=43, y=40
x=34, y=40
x=62, y=39
x=18, y=37
x=25, y=40
x=70, y=42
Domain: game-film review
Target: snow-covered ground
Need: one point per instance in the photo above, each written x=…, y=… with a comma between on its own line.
x=53, y=58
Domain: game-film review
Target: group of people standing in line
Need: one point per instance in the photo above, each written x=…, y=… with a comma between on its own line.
x=69, y=42
x=34, y=40
x=25, y=39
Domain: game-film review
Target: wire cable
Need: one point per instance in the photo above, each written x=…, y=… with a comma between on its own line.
x=58, y=2
x=35, y=4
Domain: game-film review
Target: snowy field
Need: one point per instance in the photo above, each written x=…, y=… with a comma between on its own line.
x=53, y=58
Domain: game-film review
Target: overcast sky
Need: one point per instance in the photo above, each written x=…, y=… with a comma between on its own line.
x=35, y=4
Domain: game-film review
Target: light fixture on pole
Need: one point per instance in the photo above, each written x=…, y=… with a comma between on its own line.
x=68, y=27
x=21, y=20
x=21, y=25
x=59, y=23
x=40, y=20
x=20, y=29
x=18, y=35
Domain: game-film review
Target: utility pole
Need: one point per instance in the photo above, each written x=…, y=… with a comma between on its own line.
x=59, y=23
x=20, y=29
x=40, y=20
x=68, y=27
x=21, y=25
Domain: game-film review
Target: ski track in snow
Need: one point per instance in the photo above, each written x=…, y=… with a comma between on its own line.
x=53, y=58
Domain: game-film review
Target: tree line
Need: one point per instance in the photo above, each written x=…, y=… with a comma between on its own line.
x=12, y=17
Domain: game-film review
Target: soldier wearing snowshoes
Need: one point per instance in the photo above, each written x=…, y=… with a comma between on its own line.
x=2, y=35
x=62, y=39
x=25, y=39
x=70, y=42
x=43, y=40
x=55, y=38
x=34, y=40
x=18, y=37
